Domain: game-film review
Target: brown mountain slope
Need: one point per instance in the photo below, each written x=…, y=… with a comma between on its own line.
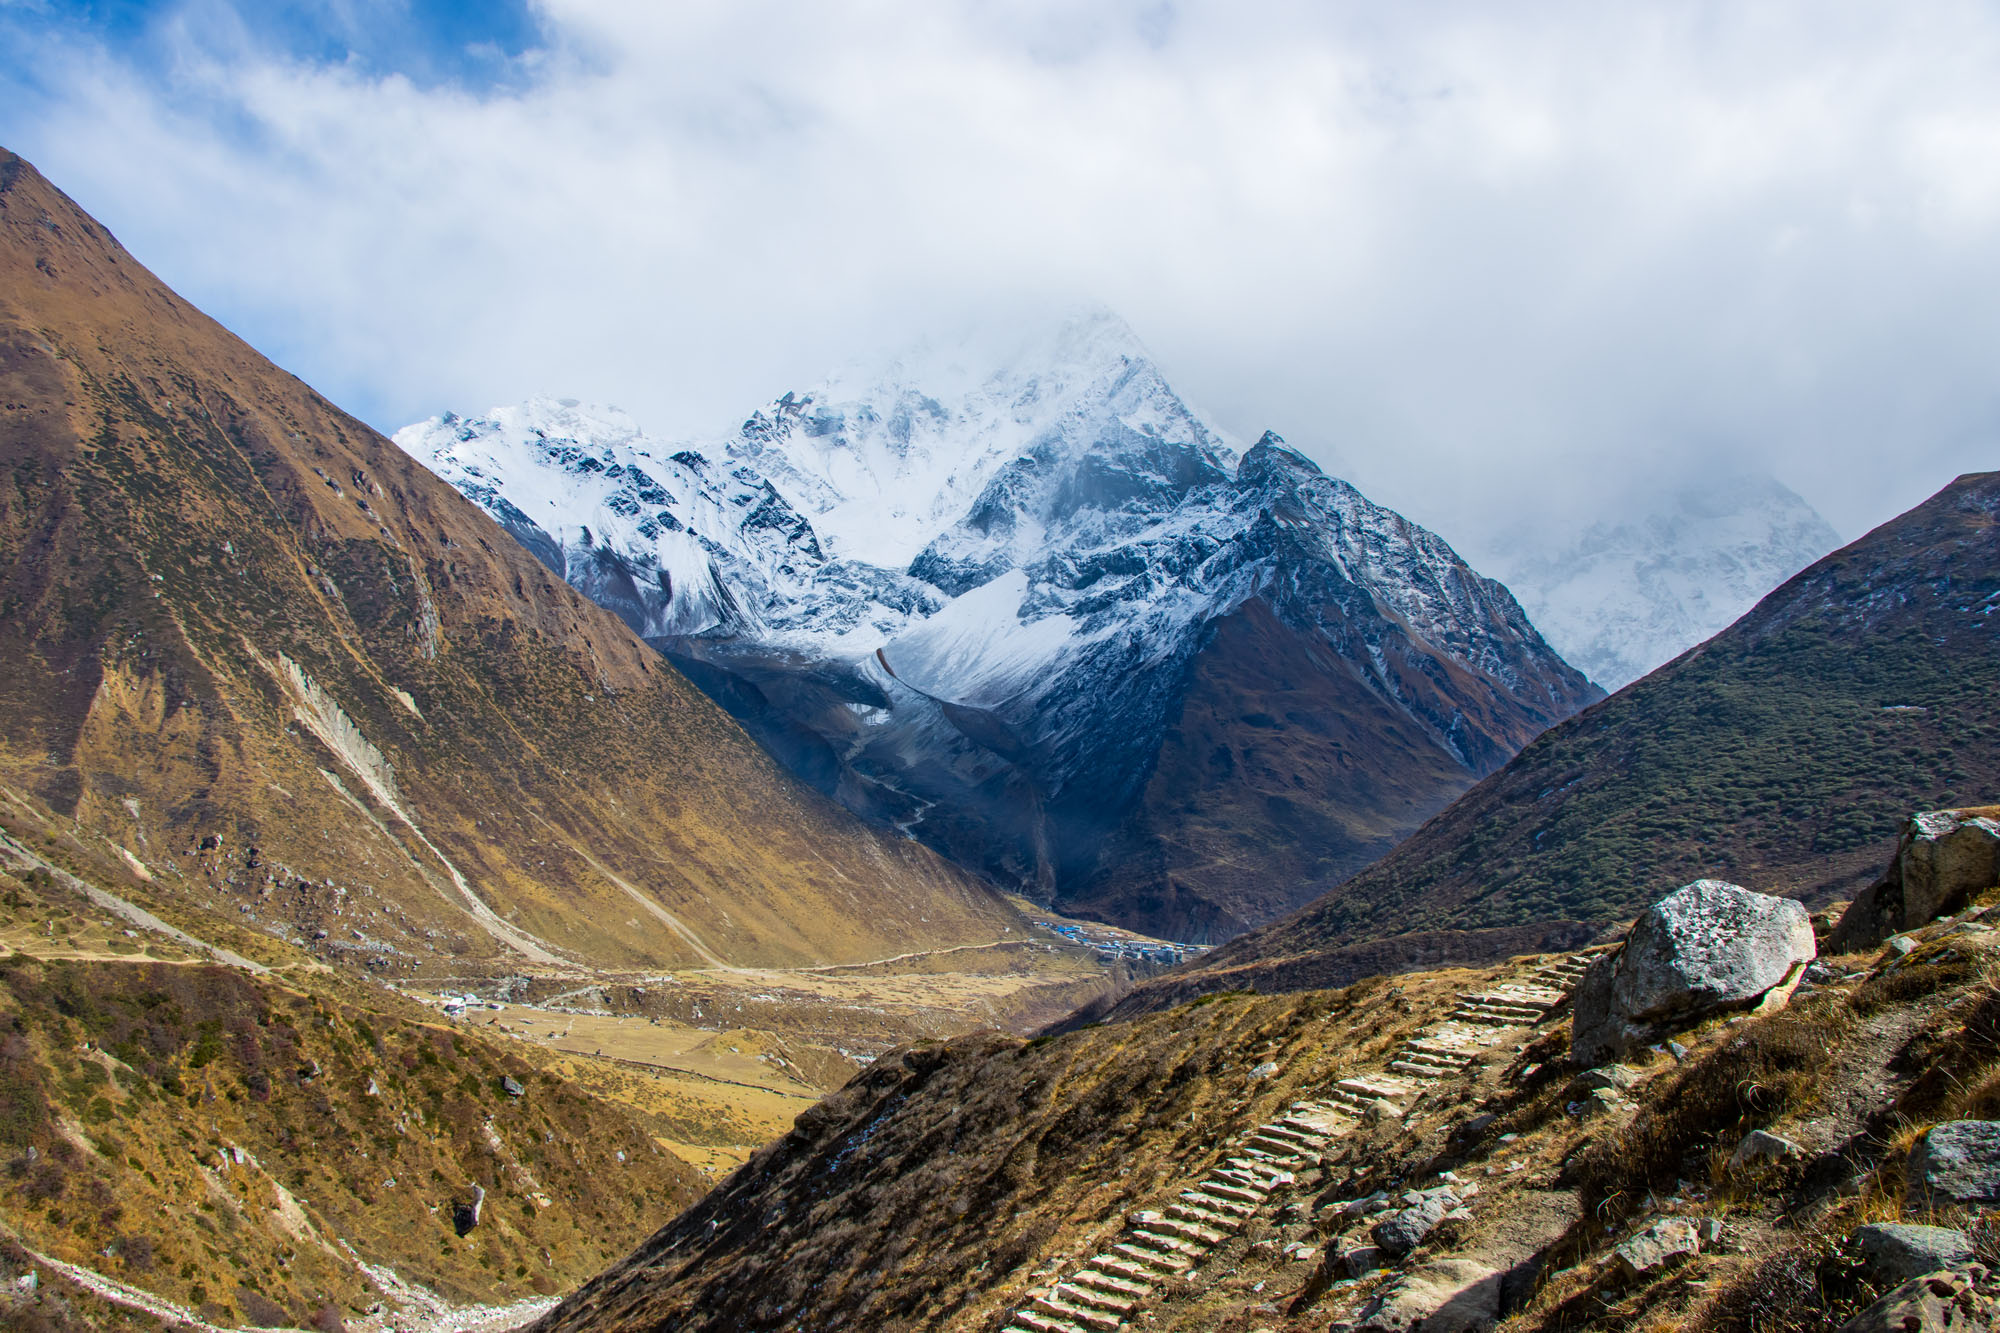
x=1771, y=755
x=231, y=614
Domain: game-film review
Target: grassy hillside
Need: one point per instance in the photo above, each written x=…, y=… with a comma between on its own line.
x=302, y=681
x=244, y=1144
x=1782, y=754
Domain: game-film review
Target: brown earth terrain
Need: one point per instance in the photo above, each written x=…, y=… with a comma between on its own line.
x=1209, y=1168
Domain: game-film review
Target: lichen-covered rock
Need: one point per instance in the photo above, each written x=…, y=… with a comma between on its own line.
x=1898, y=1251
x=1945, y=1302
x=1705, y=946
x=1403, y=1230
x=1656, y=1247
x=1957, y=1162
x=1943, y=858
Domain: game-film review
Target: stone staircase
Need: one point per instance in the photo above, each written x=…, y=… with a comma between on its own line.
x=1158, y=1245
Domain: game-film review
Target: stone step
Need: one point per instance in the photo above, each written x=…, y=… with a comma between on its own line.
x=1207, y=1217
x=1438, y=1050
x=1426, y=1072
x=1278, y=1129
x=1495, y=1019
x=1258, y=1171
x=1091, y=1298
x=1234, y=1192
x=1372, y=1088
x=1112, y=1283
x=1041, y=1323
x=1277, y=1150
x=1500, y=1004
x=1190, y=1230
x=1165, y=1235
x=1160, y=1261
x=1201, y=1197
x=1101, y=1320
x=1118, y=1266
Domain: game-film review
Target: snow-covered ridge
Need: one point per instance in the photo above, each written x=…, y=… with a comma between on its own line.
x=1623, y=597
x=967, y=598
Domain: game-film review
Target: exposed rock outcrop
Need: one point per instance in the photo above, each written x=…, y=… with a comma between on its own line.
x=1704, y=947
x=1898, y=1251
x=1958, y=1162
x=1449, y=1296
x=1965, y=1301
x=1943, y=859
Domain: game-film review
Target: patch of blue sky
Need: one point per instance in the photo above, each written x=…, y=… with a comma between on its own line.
x=475, y=44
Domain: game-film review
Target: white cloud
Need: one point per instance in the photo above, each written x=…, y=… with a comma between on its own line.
x=1487, y=254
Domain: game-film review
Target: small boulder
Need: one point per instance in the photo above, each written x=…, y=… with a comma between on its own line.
x=1404, y=1230
x=1759, y=1148
x=1614, y=1077
x=1449, y=1296
x=1957, y=1162
x=1897, y=1252
x=465, y=1216
x=1943, y=859
x=1363, y=1260
x=512, y=1086
x=1658, y=1246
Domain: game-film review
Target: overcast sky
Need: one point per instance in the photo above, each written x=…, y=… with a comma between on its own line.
x=1521, y=255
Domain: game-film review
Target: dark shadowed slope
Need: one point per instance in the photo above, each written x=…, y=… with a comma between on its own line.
x=1780, y=754
x=295, y=674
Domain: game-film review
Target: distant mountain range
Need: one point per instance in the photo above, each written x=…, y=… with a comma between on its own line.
x=1046, y=619
x=1626, y=595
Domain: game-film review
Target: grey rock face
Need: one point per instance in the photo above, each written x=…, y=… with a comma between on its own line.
x=1403, y=1230
x=1707, y=946
x=1943, y=1302
x=1657, y=1246
x=1943, y=858
x=1449, y=1296
x=1704, y=947
x=1956, y=1163
x=1897, y=1252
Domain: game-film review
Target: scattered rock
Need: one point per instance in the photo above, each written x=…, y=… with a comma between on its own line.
x=1618, y=1077
x=1597, y=1103
x=1897, y=1252
x=512, y=1086
x=1704, y=947
x=1672, y=1241
x=1956, y=1162
x=1943, y=858
x=1449, y=1296
x=1761, y=1147
x=1363, y=1260
x=1944, y=1302
x=465, y=1216
x=1265, y=1070
x=1404, y=1230
x=1382, y=1109
x=1901, y=944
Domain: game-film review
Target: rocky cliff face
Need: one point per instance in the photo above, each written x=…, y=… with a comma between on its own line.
x=1051, y=625
x=252, y=643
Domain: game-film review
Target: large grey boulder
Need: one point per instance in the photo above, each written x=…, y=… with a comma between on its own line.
x=1957, y=1162
x=1943, y=859
x=1899, y=1251
x=1706, y=946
